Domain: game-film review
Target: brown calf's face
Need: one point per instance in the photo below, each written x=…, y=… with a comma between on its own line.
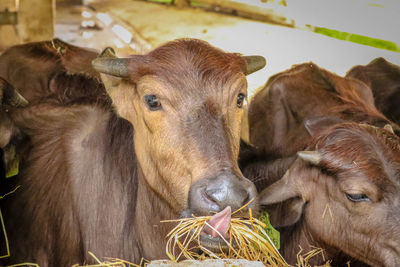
x=348, y=193
x=185, y=102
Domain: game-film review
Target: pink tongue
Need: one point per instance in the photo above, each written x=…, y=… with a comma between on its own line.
x=220, y=223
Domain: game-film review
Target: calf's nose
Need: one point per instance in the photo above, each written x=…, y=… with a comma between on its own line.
x=216, y=193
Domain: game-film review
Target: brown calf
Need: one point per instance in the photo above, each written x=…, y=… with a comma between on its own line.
x=342, y=196
x=101, y=181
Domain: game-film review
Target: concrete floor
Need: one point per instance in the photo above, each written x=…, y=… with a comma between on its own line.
x=153, y=24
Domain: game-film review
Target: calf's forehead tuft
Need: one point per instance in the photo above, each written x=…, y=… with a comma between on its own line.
x=359, y=149
x=187, y=58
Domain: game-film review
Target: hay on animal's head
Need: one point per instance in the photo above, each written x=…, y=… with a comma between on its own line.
x=245, y=239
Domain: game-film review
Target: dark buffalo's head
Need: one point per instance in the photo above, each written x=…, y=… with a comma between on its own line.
x=345, y=191
x=50, y=69
x=185, y=102
x=383, y=77
x=278, y=111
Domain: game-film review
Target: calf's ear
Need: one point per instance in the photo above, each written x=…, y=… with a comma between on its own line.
x=286, y=213
x=315, y=125
x=279, y=191
x=283, y=202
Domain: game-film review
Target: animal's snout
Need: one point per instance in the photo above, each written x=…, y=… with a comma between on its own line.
x=213, y=194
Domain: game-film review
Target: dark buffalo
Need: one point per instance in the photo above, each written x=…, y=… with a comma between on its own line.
x=101, y=180
x=277, y=115
x=281, y=118
x=51, y=69
x=384, y=79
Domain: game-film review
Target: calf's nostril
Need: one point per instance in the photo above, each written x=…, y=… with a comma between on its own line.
x=217, y=195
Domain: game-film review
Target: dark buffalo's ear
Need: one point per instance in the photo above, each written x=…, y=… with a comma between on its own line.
x=348, y=85
x=363, y=90
x=287, y=203
x=316, y=124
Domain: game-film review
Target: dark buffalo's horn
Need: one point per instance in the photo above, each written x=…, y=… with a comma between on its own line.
x=9, y=96
x=112, y=66
x=254, y=63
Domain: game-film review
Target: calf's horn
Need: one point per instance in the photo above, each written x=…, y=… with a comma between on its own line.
x=9, y=96
x=108, y=63
x=312, y=157
x=112, y=66
x=254, y=63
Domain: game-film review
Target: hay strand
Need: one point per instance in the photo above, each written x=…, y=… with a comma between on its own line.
x=247, y=240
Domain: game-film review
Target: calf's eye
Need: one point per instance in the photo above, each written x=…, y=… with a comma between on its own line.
x=358, y=197
x=152, y=102
x=240, y=99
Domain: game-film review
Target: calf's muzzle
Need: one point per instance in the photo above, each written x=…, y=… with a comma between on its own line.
x=213, y=194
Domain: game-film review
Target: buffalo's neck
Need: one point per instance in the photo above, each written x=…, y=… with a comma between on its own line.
x=151, y=210
x=140, y=209
x=294, y=240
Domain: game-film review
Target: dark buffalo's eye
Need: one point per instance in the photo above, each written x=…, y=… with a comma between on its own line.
x=240, y=99
x=152, y=102
x=358, y=197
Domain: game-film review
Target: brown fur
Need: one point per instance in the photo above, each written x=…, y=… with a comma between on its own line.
x=383, y=78
x=92, y=183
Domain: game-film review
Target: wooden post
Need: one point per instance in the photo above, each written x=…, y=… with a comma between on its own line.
x=7, y=17
x=8, y=34
x=36, y=20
